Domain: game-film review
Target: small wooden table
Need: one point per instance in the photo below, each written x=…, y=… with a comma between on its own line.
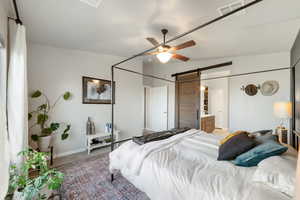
x=102, y=138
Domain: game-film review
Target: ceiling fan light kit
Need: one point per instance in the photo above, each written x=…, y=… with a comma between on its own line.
x=164, y=57
x=165, y=52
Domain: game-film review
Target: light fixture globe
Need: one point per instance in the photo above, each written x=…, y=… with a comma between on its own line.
x=164, y=57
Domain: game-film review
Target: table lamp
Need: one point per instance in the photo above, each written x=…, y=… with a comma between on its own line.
x=283, y=111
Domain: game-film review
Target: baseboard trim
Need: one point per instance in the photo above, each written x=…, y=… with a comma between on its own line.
x=148, y=129
x=69, y=153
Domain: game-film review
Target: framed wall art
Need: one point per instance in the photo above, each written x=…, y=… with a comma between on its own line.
x=96, y=91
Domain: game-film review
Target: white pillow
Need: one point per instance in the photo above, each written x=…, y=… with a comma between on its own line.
x=278, y=172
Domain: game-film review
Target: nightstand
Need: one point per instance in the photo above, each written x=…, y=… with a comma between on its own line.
x=104, y=139
x=282, y=135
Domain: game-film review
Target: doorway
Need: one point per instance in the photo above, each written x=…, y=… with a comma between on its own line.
x=217, y=91
x=155, y=109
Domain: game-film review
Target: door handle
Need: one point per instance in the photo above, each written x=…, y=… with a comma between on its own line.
x=197, y=114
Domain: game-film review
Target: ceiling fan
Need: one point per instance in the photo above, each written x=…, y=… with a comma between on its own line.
x=165, y=52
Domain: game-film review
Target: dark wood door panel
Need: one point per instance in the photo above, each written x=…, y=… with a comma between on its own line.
x=187, y=100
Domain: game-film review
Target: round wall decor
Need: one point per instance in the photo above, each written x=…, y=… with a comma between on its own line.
x=251, y=90
x=269, y=88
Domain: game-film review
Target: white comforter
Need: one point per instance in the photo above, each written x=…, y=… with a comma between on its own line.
x=185, y=167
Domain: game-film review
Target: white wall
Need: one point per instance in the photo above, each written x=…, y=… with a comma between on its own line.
x=55, y=70
x=256, y=112
x=241, y=108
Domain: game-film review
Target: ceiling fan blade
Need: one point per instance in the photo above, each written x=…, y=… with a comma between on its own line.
x=152, y=41
x=184, y=45
x=180, y=57
x=152, y=53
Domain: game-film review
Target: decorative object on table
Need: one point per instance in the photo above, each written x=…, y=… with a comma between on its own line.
x=283, y=111
x=34, y=180
x=96, y=91
x=250, y=89
x=90, y=127
x=100, y=140
x=269, y=88
x=42, y=115
x=108, y=128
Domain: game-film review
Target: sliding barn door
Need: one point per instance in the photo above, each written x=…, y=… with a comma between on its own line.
x=187, y=103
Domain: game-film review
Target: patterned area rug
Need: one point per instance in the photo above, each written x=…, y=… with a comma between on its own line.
x=89, y=179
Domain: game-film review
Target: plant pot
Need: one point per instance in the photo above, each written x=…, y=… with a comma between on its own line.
x=46, y=192
x=18, y=195
x=44, y=143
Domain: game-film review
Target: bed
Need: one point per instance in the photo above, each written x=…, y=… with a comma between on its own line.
x=185, y=167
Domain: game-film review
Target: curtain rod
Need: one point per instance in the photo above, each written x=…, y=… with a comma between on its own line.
x=17, y=20
x=192, y=30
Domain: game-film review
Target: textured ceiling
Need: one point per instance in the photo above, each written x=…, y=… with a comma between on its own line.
x=119, y=27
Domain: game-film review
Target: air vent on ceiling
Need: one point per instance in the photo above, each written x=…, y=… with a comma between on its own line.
x=232, y=6
x=93, y=3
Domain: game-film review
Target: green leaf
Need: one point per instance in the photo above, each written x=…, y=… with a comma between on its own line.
x=31, y=187
x=36, y=94
x=35, y=137
x=29, y=116
x=67, y=95
x=42, y=118
x=54, y=126
x=64, y=136
x=67, y=128
x=42, y=107
x=46, y=131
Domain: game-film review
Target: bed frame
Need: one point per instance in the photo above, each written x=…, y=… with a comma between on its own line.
x=293, y=137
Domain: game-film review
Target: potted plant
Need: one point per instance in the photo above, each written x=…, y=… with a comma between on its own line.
x=34, y=180
x=42, y=116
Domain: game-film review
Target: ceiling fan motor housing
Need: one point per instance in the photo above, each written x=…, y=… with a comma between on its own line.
x=164, y=31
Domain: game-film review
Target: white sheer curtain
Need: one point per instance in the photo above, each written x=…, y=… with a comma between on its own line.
x=4, y=151
x=17, y=96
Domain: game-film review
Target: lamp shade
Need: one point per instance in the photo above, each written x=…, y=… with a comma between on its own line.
x=283, y=110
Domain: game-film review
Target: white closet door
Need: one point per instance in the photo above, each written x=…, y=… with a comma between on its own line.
x=159, y=108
